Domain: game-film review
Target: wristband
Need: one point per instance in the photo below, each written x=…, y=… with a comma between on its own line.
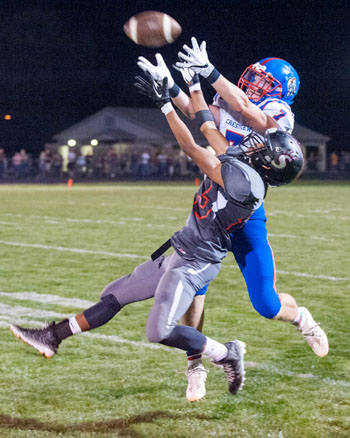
x=214, y=76
x=174, y=91
x=195, y=84
x=204, y=116
x=195, y=87
x=167, y=108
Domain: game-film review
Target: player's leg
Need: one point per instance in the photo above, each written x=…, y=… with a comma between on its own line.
x=173, y=297
x=114, y=296
x=255, y=259
x=194, y=316
x=196, y=372
x=254, y=256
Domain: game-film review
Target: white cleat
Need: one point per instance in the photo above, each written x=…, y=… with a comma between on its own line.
x=313, y=334
x=196, y=375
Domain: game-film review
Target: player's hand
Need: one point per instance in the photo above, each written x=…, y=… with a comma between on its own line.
x=156, y=91
x=190, y=77
x=159, y=71
x=195, y=58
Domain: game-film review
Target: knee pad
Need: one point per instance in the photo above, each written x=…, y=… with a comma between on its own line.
x=103, y=311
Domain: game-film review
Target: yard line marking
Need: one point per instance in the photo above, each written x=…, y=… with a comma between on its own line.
x=118, y=340
x=21, y=314
x=323, y=277
x=275, y=370
x=294, y=236
x=305, y=216
x=12, y=311
x=145, y=186
x=74, y=250
x=8, y=223
x=52, y=220
x=299, y=274
x=5, y=322
x=7, y=311
x=28, y=322
x=135, y=256
x=47, y=298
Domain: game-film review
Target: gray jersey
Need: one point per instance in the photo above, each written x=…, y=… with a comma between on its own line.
x=217, y=212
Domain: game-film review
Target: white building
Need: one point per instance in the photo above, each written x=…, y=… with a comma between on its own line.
x=127, y=130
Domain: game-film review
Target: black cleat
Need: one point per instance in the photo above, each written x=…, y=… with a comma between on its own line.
x=233, y=365
x=42, y=339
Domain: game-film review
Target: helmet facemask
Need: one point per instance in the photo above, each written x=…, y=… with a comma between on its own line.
x=255, y=151
x=257, y=84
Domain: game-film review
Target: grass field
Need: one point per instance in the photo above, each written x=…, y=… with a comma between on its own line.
x=60, y=246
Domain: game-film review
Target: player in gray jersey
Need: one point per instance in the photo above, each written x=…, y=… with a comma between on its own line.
x=262, y=100
x=217, y=210
x=234, y=187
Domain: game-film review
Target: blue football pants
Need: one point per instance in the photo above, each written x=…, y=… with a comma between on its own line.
x=254, y=256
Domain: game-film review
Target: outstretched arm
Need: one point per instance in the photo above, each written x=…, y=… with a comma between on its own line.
x=196, y=58
x=204, y=159
x=184, y=103
x=238, y=101
x=207, y=125
x=159, y=72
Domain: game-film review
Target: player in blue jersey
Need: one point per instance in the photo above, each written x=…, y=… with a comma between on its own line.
x=261, y=101
x=234, y=187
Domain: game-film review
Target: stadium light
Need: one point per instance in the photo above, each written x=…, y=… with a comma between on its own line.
x=72, y=142
x=94, y=142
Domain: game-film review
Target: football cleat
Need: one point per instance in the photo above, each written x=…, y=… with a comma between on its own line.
x=233, y=365
x=196, y=375
x=313, y=334
x=42, y=339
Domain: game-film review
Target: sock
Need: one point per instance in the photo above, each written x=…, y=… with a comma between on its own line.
x=194, y=360
x=74, y=326
x=298, y=318
x=93, y=317
x=214, y=350
x=62, y=330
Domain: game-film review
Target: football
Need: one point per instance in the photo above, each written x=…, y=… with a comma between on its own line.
x=152, y=29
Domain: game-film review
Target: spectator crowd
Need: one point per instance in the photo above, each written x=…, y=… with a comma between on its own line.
x=109, y=165
x=49, y=165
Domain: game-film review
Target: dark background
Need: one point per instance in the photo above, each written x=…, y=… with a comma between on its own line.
x=63, y=60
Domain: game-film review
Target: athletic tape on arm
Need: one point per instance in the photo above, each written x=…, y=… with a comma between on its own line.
x=204, y=116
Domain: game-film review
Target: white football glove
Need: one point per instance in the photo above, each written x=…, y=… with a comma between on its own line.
x=159, y=71
x=196, y=58
x=190, y=77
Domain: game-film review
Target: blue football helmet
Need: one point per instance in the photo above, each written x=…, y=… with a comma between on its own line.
x=270, y=77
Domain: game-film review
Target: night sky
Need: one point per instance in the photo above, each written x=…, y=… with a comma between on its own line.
x=63, y=60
